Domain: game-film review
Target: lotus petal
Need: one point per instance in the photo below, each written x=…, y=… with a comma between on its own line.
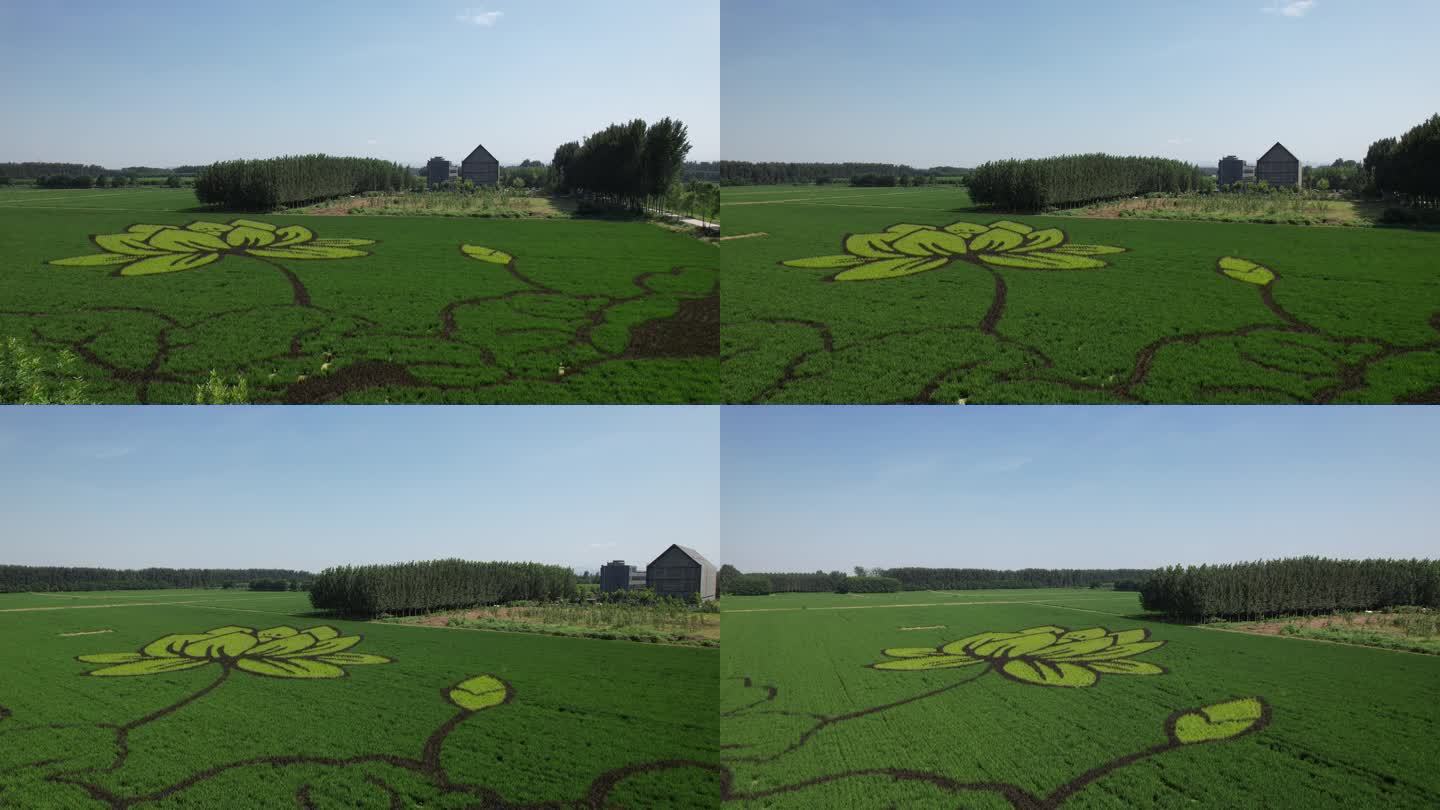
x=1044, y=673
x=328, y=646
x=825, y=262
x=1082, y=635
x=1126, y=667
x=1071, y=649
x=1118, y=651
x=891, y=268
x=228, y=629
x=290, y=667
x=290, y=645
x=929, y=662
x=322, y=632
x=1042, y=240
x=170, y=646
x=129, y=244
x=996, y=240
x=246, y=236
x=931, y=243
x=1088, y=250
x=1049, y=260
x=871, y=245
x=1015, y=227
x=213, y=228
x=176, y=240
x=150, y=666
x=306, y=252
x=1130, y=636
x=146, y=230
x=169, y=263
x=229, y=645
x=480, y=692
x=346, y=659
x=94, y=260
x=253, y=223
x=292, y=235
x=281, y=631
x=967, y=645
x=1014, y=647
x=966, y=228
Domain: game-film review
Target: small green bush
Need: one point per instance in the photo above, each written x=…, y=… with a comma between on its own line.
x=216, y=391
x=26, y=380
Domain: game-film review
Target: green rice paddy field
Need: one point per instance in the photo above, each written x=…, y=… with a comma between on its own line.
x=173, y=699
x=152, y=293
x=1049, y=698
x=876, y=295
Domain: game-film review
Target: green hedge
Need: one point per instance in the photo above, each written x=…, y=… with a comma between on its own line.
x=265, y=184
x=420, y=587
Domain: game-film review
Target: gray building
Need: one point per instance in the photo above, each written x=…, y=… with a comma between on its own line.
x=1232, y=170
x=1278, y=167
x=616, y=576
x=437, y=171
x=681, y=571
x=481, y=167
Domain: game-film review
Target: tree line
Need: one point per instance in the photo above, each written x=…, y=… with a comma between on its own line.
x=31, y=170
x=623, y=163
x=1253, y=590
x=1408, y=166
x=421, y=587
x=1067, y=180
x=22, y=578
x=966, y=579
x=747, y=173
x=265, y=184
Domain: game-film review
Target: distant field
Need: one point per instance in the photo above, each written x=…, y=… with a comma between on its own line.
x=862, y=296
x=233, y=694
x=1042, y=699
x=154, y=294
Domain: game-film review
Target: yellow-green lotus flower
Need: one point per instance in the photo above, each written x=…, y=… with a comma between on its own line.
x=906, y=249
x=280, y=652
x=1046, y=656
x=147, y=249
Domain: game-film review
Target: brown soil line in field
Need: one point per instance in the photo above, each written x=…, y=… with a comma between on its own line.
x=742, y=236
x=85, y=633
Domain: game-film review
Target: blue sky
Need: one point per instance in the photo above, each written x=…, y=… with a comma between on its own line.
x=311, y=487
x=958, y=83
x=169, y=83
x=1074, y=487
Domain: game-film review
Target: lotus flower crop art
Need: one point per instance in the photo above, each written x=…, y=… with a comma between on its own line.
x=907, y=249
x=149, y=249
x=279, y=652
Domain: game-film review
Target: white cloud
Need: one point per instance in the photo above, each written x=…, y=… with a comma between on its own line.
x=476, y=16
x=1294, y=8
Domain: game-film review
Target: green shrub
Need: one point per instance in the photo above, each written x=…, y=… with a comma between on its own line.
x=750, y=585
x=216, y=391
x=25, y=378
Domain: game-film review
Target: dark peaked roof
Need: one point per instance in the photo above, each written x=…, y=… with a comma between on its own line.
x=481, y=153
x=691, y=553
x=1278, y=152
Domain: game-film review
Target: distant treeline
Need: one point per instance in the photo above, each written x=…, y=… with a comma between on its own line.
x=967, y=579
x=707, y=170
x=419, y=587
x=1068, y=180
x=924, y=579
x=746, y=173
x=276, y=585
x=265, y=184
x=20, y=578
x=1409, y=165
x=1254, y=590
x=626, y=163
x=30, y=171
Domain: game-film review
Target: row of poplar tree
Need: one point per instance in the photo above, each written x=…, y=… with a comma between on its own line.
x=1410, y=164
x=23, y=578
x=1252, y=590
x=418, y=587
x=1040, y=183
x=264, y=184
